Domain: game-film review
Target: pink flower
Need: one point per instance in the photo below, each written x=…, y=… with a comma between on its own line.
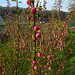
x=45, y=73
x=35, y=68
x=64, y=25
x=59, y=70
x=28, y=59
x=59, y=20
x=47, y=63
x=50, y=68
x=57, y=32
x=50, y=28
x=39, y=54
x=34, y=62
x=38, y=35
x=27, y=18
x=15, y=71
x=24, y=45
x=33, y=10
x=43, y=56
x=55, y=42
x=42, y=71
x=28, y=2
x=38, y=59
x=44, y=66
x=36, y=28
x=71, y=52
x=50, y=50
x=56, y=58
x=29, y=74
x=59, y=65
x=57, y=62
x=58, y=26
x=59, y=40
x=3, y=72
x=63, y=67
x=66, y=17
x=12, y=46
x=48, y=57
x=58, y=14
x=67, y=55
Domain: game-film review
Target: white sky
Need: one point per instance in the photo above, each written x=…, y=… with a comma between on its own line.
x=50, y=3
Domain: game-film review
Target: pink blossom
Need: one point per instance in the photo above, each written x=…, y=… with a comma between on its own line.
x=58, y=14
x=54, y=60
x=3, y=72
x=27, y=18
x=57, y=26
x=28, y=2
x=59, y=40
x=29, y=74
x=43, y=56
x=62, y=70
x=50, y=68
x=35, y=68
x=36, y=28
x=34, y=62
x=42, y=71
x=59, y=70
x=55, y=42
x=50, y=50
x=63, y=67
x=15, y=71
x=67, y=55
x=59, y=20
x=45, y=73
x=39, y=54
x=47, y=63
x=45, y=66
x=33, y=10
x=28, y=59
x=56, y=36
x=57, y=62
x=57, y=32
x=12, y=46
x=38, y=35
x=48, y=57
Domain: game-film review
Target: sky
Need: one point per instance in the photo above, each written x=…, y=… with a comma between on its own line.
x=50, y=3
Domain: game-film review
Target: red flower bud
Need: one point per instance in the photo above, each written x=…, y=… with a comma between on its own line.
x=28, y=2
x=33, y=10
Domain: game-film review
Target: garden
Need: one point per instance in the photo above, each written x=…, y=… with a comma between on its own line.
x=38, y=42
